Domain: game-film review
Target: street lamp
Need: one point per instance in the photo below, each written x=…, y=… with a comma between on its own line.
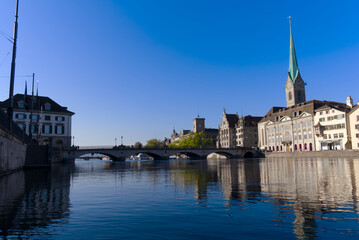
x=115, y=142
x=73, y=141
x=121, y=140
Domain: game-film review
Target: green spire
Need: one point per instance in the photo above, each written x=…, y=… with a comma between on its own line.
x=293, y=64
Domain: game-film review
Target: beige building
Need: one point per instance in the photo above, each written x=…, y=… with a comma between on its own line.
x=331, y=126
x=353, y=117
x=247, y=131
x=227, y=131
x=288, y=129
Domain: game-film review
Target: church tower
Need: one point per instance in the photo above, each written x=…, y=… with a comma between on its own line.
x=198, y=125
x=295, y=86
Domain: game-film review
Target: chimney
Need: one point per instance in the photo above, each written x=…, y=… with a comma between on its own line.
x=349, y=101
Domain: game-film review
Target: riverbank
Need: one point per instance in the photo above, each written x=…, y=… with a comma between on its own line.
x=329, y=153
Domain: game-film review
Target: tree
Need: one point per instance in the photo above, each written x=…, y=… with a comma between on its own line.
x=193, y=140
x=154, y=143
x=137, y=145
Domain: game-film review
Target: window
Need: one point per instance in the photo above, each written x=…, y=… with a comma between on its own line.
x=21, y=104
x=341, y=135
x=310, y=135
x=340, y=116
x=321, y=119
x=357, y=135
x=327, y=112
x=299, y=136
x=330, y=118
x=329, y=136
x=357, y=118
x=47, y=129
x=47, y=106
x=33, y=129
x=321, y=113
x=309, y=123
x=59, y=118
x=304, y=124
x=20, y=116
x=295, y=136
x=304, y=135
x=47, y=117
x=34, y=117
x=357, y=126
x=60, y=129
x=335, y=135
x=325, y=136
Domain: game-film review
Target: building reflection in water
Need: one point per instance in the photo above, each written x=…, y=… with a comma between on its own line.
x=34, y=199
x=314, y=188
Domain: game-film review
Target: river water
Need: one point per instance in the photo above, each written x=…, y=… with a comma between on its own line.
x=273, y=198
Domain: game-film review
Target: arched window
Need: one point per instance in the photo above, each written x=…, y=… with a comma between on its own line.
x=305, y=146
x=310, y=147
x=281, y=148
x=290, y=96
x=295, y=147
x=277, y=148
x=300, y=147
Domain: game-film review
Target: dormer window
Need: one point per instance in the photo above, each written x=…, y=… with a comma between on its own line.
x=21, y=104
x=47, y=106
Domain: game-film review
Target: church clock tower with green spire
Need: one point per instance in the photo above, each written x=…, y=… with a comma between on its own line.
x=295, y=86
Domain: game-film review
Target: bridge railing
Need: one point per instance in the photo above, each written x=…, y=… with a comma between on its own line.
x=108, y=147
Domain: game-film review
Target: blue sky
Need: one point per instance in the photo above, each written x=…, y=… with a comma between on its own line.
x=138, y=68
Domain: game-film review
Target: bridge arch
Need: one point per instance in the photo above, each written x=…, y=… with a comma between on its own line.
x=153, y=155
x=248, y=155
x=114, y=158
x=223, y=153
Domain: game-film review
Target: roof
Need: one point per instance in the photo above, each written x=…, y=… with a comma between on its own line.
x=213, y=130
x=39, y=103
x=354, y=108
x=232, y=119
x=249, y=120
x=309, y=106
x=293, y=70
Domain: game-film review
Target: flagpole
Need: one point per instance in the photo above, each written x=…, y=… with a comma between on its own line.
x=12, y=73
x=32, y=107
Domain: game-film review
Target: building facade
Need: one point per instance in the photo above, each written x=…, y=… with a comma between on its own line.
x=49, y=123
x=331, y=127
x=227, y=130
x=247, y=131
x=353, y=117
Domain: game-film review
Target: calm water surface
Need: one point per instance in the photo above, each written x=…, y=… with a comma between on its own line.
x=275, y=198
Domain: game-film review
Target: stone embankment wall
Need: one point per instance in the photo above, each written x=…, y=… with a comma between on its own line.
x=329, y=153
x=12, y=152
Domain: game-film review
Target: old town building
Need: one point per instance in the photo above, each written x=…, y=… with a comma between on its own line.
x=49, y=123
x=331, y=126
x=227, y=131
x=247, y=131
x=353, y=117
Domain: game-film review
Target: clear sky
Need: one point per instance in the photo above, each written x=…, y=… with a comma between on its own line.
x=138, y=68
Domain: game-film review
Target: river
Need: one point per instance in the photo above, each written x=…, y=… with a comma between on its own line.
x=271, y=198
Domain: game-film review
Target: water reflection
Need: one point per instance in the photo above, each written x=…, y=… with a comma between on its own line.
x=307, y=197
x=34, y=199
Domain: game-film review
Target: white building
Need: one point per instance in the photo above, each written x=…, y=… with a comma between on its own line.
x=50, y=123
x=331, y=127
x=354, y=126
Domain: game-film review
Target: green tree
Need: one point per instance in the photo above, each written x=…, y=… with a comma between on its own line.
x=137, y=145
x=193, y=140
x=154, y=143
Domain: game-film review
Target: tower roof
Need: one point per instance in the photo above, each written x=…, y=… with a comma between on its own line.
x=293, y=70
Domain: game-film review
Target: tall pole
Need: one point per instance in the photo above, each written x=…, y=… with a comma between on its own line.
x=12, y=73
x=32, y=107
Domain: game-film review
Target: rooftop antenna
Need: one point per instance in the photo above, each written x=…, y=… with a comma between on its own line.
x=10, y=109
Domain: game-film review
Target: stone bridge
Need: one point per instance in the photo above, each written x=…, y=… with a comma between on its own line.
x=120, y=154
